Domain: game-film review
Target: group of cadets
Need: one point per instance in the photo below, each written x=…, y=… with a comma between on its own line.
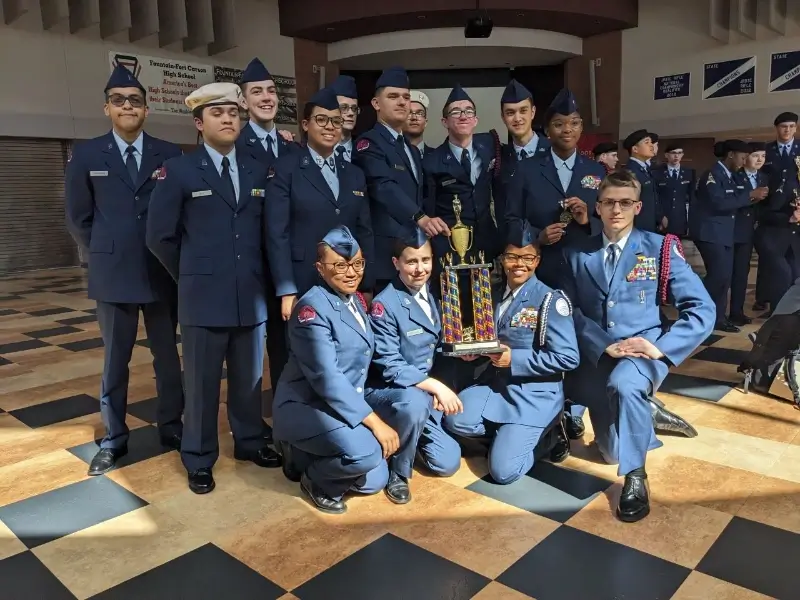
x=253, y=235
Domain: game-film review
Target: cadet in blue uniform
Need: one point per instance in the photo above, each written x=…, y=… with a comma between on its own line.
x=310, y=193
x=519, y=393
x=417, y=121
x=463, y=166
x=780, y=235
x=108, y=185
x=744, y=232
x=261, y=141
x=675, y=186
x=393, y=169
x=607, y=154
x=617, y=280
x=640, y=146
x=719, y=195
x=408, y=330
x=332, y=441
x=206, y=226
x=347, y=98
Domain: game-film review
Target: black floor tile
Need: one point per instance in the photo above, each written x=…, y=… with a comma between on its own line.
x=207, y=573
x=57, y=411
x=24, y=577
x=146, y=410
x=91, y=311
x=695, y=387
x=722, y=355
x=52, y=515
x=757, y=557
x=83, y=345
x=8, y=311
x=52, y=332
x=712, y=339
x=10, y=297
x=608, y=571
x=5, y=361
x=78, y=320
x=22, y=346
x=71, y=290
x=547, y=490
x=393, y=569
x=56, y=310
x=144, y=443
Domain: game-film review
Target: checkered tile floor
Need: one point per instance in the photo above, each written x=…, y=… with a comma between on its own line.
x=725, y=522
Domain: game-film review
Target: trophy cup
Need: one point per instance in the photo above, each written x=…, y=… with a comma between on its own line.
x=460, y=336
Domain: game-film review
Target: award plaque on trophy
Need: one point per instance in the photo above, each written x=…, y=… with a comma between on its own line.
x=464, y=333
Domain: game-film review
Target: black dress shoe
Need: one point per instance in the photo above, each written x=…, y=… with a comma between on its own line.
x=201, y=481
x=105, y=460
x=397, y=489
x=171, y=440
x=290, y=471
x=634, y=502
x=268, y=434
x=727, y=327
x=575, y=427
x=560, y=450
x=668, y=422
x=264, y=457
x=320, y=499
x=740, y=320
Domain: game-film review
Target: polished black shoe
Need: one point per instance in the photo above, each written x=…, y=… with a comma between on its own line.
x=665, y=421
x=727, y=327
x=575, y=427
x=105, y=460
x=740, y=320
x=201, y=481
x=320, y=499
x=759, y=306
x=171, y=440
x=290, y=471
x=397, y=489
x=268, y=434
x=560, y=450
x=634, y=502
x=263, y=457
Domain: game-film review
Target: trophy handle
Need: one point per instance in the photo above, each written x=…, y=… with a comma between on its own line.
x=471, y=239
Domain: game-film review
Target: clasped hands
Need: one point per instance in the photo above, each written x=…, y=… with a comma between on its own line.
x=636, y=347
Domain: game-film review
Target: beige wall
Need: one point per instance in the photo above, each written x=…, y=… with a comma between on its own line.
x=52, y=82
x=673, y=37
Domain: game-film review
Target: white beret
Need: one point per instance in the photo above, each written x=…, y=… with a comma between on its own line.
x=215, y=94
x=421, y=98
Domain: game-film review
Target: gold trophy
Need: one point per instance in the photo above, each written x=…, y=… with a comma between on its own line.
x=796, y=202
x=461, y=337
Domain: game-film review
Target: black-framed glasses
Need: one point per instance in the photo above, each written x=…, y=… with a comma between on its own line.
x=417, y=114
x=625, y=204
x=353, y=108
x=457, y=113
x=526, y=259
x=341, y=267
x=118, y=100
x=323, y=120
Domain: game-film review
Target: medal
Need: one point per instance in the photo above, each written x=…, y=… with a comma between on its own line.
x=566, y=216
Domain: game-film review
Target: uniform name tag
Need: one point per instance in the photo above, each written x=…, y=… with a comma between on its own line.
x=98, y=173
x=448, y=182
x=258, y=193
x=400, y=167
x=358, y=193
x=201, y=193
x=414, y=332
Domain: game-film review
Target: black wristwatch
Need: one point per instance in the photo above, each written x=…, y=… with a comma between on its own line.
x=418, y=216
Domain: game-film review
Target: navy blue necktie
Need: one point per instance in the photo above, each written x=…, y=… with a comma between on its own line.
x=270, y=150
x=228, y=180
x=130, y=164
x=466, y=163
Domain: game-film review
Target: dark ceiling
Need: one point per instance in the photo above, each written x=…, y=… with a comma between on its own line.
x=336, y=20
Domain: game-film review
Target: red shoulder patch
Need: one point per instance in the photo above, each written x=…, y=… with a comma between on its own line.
x=161, y=174
x=362, y=144
x=377, y=310
x=306, y=314
x=363, y=301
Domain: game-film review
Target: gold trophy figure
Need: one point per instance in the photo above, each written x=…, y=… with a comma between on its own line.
x=461, y=236
x=796, y=202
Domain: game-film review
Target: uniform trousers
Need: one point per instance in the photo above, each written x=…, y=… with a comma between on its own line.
x=781, y=255
x=718, y=260
x=762, y=278
x=742, y=254
x=118, y=328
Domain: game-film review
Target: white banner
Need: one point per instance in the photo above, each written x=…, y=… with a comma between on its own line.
x=166, y=80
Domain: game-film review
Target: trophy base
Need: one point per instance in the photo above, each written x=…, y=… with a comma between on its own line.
x=467, y=348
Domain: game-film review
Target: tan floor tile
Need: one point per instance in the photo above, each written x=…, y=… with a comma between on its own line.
x=45, y=392
x=155, y=479
x=699, y=586
x=752, y=416
x=678, y=533
x=119, y=549
x=788, y=465
x=471, y=470
x=288, y=596
x=735, y=342
x=9, y=543
x=774, y=502
x=688, y=408
x=77, y=336
x=497, y=591
x=709, y=370
x=43, y=357
x=38, y=475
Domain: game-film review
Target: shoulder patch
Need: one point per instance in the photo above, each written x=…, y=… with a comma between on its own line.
x=710, y=179
x=377, y=310
x=362, y=145
x=161, y=173
x=306, y=314
x=563, y=308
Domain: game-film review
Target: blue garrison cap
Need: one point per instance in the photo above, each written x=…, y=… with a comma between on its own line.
x=515, y=92
x=340, y=240
x=563, y=104
x=521, y=235
x=393, y=77
x=457, y=94
x=345, y=86
x=417, y=240
x=325, y=98
x=121, y=77
x=255, y=71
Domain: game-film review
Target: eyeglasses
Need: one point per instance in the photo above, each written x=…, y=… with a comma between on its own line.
x=119, y=100
x=353, y=108
x=525, y=259
x=623, y=204
x=340, y=268
x=417, y=114
x=323, y=120
x=561, y=124
x=457, y=113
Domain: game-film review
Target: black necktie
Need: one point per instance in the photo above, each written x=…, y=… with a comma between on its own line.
x=227, y=180
x=130, y=164
x=340, y=151
x=400, y=144
x=523, y=154
x=674, y=174
x=330, y=162
x=270, y=149
x=466, y=163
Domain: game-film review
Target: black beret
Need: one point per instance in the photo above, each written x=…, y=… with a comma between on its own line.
x=634, y=138
x=604, y=147
x=785, y=117
x=736, y=146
